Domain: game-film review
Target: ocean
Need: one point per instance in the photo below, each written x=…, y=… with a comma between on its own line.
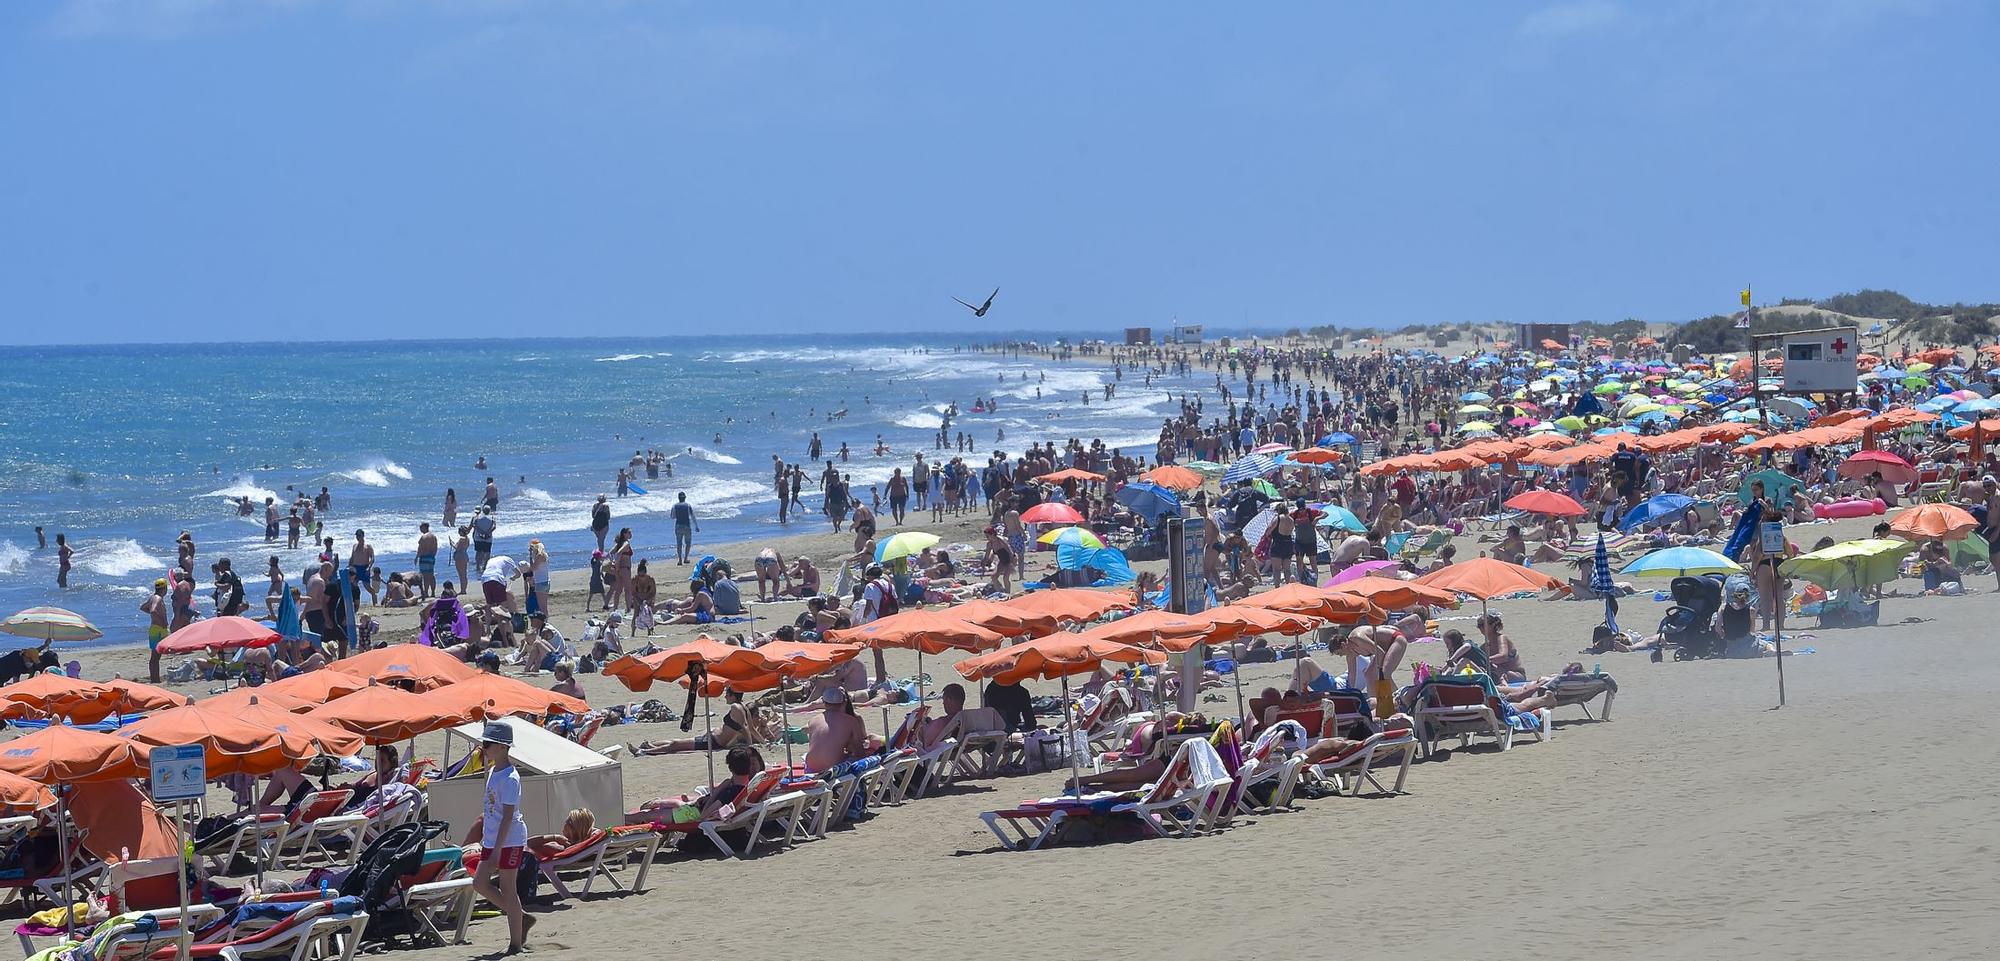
x=122, y=447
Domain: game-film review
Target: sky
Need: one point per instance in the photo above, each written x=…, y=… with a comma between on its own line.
x=218, y=170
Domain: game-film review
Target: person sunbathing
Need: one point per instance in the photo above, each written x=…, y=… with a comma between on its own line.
x=576, y=828
x=1145, y=745
x=739, y=726
x=743, y=763
x=1503, y=660
x=837, y=735
x=1331, y=748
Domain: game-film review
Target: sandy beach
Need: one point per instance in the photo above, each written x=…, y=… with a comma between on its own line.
x=1697, y=822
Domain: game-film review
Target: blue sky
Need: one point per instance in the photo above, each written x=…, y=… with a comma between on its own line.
x=309, y=169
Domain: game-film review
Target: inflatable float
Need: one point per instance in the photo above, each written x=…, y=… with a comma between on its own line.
x=1849, y=508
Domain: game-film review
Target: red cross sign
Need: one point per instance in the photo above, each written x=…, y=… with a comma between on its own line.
x=1839, y=345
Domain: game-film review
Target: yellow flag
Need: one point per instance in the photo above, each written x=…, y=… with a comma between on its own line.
x=1746, y=296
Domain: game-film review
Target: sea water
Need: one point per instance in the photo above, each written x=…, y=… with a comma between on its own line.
x=122, y=447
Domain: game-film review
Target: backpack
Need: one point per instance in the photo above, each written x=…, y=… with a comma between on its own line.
x=888, y=604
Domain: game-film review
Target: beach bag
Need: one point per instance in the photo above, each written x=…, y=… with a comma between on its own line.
x=1042, y=750
x=889, y=604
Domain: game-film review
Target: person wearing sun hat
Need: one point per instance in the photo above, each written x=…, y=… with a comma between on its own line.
x=502, y=833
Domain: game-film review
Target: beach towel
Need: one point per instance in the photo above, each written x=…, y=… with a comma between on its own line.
x=1290, y=735
x=288, y=616
x=1746, y=528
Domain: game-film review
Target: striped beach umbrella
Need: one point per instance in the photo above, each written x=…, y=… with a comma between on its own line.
x=1601, y=584
x=1249, y=467
x=50, y=624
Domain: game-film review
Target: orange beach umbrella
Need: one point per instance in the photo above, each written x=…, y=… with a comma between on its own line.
x=424, y=666
x=1336, y=606
x=1173, y=477
x=1933, y=522
x=319, y=686
x=1072, y=604
x=1052, y=657
x=54, y=694
x=491, y=695
x=926, y=631
x=384, y=714
x=1391, y=594
x=18, y=795
x=60, y=754
x=1002, y=619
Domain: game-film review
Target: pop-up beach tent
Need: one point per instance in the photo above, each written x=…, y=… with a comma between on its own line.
x=557, y=776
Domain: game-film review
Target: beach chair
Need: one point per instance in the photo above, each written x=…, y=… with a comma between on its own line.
x=132, y=935
x=327, y=930
x=1461, y=707
x=760, y=803
x=435, y=898
x=1578, y=690
x=982, y=742
x=598, y=855
x=901, y=761
x=1107, y=725
x=1175, y=805
x=249, y=837
x=1415, y=549
x=1347, y=771
x=312, y=825
x=1268, y=763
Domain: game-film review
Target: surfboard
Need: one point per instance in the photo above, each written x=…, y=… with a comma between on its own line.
x=634, y=488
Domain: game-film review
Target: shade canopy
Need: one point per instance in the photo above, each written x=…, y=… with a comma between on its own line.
x=384, y=714
x=1072, y=604
x=492, y=695
x=67, y=755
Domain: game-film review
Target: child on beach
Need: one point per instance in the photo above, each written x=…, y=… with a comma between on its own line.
x=502, y=833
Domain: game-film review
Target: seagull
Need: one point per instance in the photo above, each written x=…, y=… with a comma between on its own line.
x=980, y=311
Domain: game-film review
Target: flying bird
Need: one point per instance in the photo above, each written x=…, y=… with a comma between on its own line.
x=980, y=311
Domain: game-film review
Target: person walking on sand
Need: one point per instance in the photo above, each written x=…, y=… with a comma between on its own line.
x=502, y=833
x=684, y=527
x=64, y=553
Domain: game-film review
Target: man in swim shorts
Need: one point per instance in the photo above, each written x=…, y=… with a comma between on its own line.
x=155, y=608
x=427, y=561
x=684, y=527
x=360, y=562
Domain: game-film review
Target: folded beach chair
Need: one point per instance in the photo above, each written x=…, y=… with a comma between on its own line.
x=1415, y=550
x=1578, y=690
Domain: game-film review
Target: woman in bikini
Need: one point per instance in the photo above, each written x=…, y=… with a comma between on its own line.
x=739, y=726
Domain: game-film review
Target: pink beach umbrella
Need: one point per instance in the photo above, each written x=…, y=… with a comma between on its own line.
x=1358, y=571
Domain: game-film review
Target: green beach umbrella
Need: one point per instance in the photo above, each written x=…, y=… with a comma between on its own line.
x=1851, y=565
x=1475, y=409
x=906, y=544
x=1267, y=488
x=1071, y=537
x=1206, y=468
x=1608, y=388
x=1572, y=422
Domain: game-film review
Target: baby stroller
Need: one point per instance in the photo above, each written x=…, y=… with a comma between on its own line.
x=1690, y=624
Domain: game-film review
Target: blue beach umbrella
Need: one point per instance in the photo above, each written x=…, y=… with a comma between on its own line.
x=1778, y=485
x=1600, y=582
x=1654, y=510
x=1149, y=500
x=1249, y=468
x=1339, y=518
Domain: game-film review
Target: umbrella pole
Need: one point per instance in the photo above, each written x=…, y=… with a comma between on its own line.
x=785, y=727
x=708, y=728
x=1069, y=739
x=62, y=862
